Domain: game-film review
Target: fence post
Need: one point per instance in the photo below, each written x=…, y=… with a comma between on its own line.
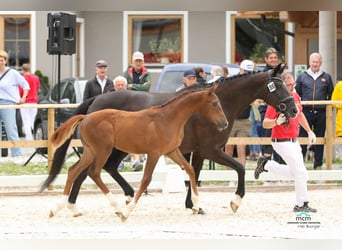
x=51, y=128
x=329, y=136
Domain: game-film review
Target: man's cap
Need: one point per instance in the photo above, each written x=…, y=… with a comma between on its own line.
x=138, y=55
x=247, y=65
x=101, y=63
x=189, y=73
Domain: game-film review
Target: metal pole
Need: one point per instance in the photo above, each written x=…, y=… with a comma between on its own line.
x=59, y=83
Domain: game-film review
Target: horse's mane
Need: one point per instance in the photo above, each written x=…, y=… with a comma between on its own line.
x=234, y=77
x=202, y=86
x=194, y=88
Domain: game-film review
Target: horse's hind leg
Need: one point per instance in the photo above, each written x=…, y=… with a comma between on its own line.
x=222, y=158
x=178, y=158
x=95, y=173
x=63, y=201
x=73, y=172
x=74, y=193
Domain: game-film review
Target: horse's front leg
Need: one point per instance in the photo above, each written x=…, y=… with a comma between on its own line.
x=178, y=158
x=151, y=162
x=222, y=158
x=94, y=172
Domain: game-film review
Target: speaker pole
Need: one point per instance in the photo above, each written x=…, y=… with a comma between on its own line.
x=59, y=82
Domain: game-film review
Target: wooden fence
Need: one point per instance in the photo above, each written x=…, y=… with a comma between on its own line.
x=328, y=140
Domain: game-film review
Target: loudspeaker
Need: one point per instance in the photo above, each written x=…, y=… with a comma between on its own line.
x=62, y=34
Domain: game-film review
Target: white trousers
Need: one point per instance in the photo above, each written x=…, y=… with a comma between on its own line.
x=291, y=152
x=28, y=115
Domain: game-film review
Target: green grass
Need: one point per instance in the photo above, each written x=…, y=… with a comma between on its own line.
x=30, y=169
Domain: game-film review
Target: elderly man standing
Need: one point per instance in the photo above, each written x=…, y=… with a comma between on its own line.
x=315, y=84
x=137, y=75
x=100, y=83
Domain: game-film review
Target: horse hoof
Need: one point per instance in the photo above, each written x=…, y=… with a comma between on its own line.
x=51, y=214
x=195, y=210
x=128, y=199
x=234, y=206
x=121, y=216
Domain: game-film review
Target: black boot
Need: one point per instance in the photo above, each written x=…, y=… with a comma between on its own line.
x=304, y=208
x=260, y=167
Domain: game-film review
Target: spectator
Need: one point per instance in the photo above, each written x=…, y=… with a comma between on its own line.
x=272, y=60
x=200, y=75
x=137, y=75
x=215, y=73
x=189, y=79
x=100, y=83
x=255, y=118
x=138, y=78
x=337, y=96
x=242, y=125
x=284, y=141
x=10, y=79
x=120, y=83
x=312, y=85
x=225, y=71
x=28, y=114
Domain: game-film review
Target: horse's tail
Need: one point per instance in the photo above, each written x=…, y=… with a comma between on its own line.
x=62, y=136
x=60, y=153
x=57, y=163
x=65, y=131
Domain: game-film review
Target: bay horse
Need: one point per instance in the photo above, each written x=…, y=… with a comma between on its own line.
x=161, y=131
x=200, y=137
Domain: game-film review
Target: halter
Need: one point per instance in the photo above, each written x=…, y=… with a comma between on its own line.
x=282, y=106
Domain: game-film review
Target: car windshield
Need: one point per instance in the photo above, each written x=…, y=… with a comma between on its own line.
x=66, y=91
x=171, y=81
x=171, y=76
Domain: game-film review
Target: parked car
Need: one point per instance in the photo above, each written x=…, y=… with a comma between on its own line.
x=171, y=76
x=71, y=91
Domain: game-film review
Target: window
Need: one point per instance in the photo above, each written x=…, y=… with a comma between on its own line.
x=159, y=37
x=254, y=35
x=16, y=34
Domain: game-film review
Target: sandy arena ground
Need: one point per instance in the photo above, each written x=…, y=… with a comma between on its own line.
x=163, y=216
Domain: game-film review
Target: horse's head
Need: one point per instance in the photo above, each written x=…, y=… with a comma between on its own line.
x=213, y=110
x=277, y=94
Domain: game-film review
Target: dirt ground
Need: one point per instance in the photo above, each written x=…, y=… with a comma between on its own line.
x=265, y=215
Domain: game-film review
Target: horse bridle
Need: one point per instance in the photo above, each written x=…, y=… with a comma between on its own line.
x=282, y=106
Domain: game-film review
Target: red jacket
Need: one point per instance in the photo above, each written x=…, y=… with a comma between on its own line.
x=34, y=82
